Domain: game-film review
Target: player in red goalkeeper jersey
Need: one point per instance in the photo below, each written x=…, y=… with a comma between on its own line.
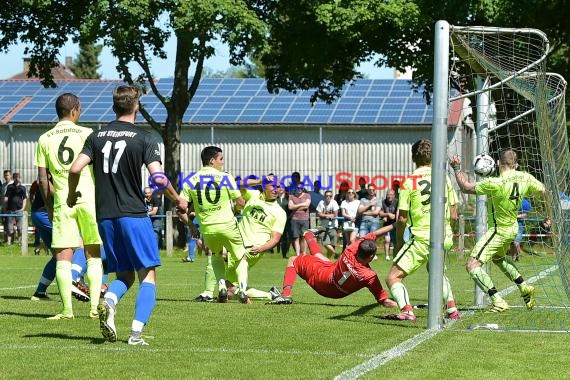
x=350, y=273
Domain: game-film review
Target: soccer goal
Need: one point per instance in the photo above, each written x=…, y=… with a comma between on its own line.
x=500, y=96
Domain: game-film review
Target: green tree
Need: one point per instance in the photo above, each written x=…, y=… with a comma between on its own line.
x=87, y=63
x=135, y=31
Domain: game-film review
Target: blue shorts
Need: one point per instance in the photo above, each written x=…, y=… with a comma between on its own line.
x=43, y=226
x=130, y=244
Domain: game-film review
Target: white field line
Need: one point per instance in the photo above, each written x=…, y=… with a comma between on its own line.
x=408, y=345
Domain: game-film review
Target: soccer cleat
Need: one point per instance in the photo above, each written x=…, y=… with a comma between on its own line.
x=281, y=300
x=454, y=315
x=274, y=293
x=139, y=341
x=203, y=298
x=388, y=258
x=40, y=297
x=498, y=305
x=400, y=317
x=80, y=291
x=107, y=321
x=223, y=296
x=243, y=298
x=187, y=260
x=59, y=317
x=527, y=293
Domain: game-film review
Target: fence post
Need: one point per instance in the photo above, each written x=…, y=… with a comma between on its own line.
x=168, y=233
x=461, y=240
x=24, y=233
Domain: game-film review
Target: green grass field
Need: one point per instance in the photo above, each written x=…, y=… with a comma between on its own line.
x=314, y=338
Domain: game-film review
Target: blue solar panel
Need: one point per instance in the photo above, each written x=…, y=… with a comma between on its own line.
x=229, y=101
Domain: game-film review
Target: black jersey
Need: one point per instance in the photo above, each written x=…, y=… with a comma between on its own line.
x=117, y=152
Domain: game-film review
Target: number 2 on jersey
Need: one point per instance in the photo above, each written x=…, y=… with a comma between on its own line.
x=120, y=147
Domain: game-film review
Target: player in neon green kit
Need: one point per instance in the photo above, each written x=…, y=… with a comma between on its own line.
x=211, y=192
x=56, y=151
x=262, y=225
x=504, y=198
x=414, y=211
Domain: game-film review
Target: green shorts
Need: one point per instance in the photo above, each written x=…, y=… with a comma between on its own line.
x=494, y=243
x=412, y=255
x=71, y=225
x=230, y=239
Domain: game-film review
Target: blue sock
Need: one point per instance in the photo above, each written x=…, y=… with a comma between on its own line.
x=146, y=299
x=117, y=289
x=191, y=248
x=47, y=276
x=78, y=264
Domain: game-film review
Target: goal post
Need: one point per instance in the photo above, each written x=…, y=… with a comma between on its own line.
x=498, y=78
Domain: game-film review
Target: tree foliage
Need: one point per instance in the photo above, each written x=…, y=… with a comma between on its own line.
x=87, y=63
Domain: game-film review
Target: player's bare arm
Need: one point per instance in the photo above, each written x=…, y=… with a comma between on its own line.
x=461, y=177
x=73, y=178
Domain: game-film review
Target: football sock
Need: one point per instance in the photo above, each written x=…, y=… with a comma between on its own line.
x=191, y=248
x=117, y=289
x=219, y=270
x=259, y=294
x=94, y=277
x=482, y=279
x=312, y=244
x=209, y=278
x=146, y=299
x=47, y=276
x=447, y=293
x=242, y=274
x=63, y=279
x=400, y=295
x=289, y=281
x=78, y=264
x=508, y=267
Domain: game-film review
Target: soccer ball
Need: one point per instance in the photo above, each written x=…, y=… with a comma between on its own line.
x=484, y=165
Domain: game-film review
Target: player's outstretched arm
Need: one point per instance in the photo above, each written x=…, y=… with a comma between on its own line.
x=462, y=180
x=383, y=230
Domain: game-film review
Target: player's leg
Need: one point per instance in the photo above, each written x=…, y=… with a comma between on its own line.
x=85, y=216
x=216, y=245
x=288, y=281
x=484, y=250
x=44, y=231
x=507, y=266
x=387, y=245
x=209, y=280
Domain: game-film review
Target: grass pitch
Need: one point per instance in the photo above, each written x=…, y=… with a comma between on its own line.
x=314, y=338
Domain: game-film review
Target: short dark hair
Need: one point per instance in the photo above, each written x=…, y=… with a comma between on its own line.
x=366, y=249
x=421, y=152
x=209, y=153
x=125, y=99
x=65, y=103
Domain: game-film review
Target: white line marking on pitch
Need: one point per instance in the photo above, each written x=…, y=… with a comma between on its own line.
x=18, y=287
x=408, y=345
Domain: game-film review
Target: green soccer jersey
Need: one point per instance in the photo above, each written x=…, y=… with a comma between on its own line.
x=57, y=149
x=211, y=191
x=260, y=219
x=415, y=198
x=505, y=194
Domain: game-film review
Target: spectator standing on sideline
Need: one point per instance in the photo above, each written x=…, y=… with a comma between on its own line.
x=117, y=152
x=7, y=181
x=504, y=198
x=388, y=214
x=349, y=208
x=327, y=210
x=299, y=203
x=368, y=211
x=72, y=227
x=152, y=203
x=15, y=201
x=523, y=213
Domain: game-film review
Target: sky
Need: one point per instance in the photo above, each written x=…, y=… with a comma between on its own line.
x=11, y=63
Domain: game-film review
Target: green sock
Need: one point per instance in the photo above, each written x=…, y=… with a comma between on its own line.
x=400, y=294
x=209, y=278
x=507, y=266
x=447, y=293
x=63, y=279
x=242, y=274
x=94, y=278
x=258, y=294
x=219, y=270
x=482, y=279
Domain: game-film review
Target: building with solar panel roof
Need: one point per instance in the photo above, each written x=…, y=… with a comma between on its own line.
x=368, y=131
